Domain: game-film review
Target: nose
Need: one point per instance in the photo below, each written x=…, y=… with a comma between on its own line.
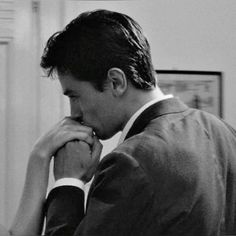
x=75, y=113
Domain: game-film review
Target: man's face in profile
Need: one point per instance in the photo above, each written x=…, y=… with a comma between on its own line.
x=92, y=107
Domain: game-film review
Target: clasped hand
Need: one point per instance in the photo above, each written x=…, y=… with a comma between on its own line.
x=76, y=159
x=75, y=149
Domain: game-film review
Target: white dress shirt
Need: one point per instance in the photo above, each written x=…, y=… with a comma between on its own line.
x=85, y=187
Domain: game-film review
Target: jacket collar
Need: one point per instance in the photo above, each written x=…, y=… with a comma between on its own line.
x=167, y=106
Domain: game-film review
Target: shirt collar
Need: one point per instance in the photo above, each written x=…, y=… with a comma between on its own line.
x=137, y=113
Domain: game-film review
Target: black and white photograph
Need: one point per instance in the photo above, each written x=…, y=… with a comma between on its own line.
x=118, y=118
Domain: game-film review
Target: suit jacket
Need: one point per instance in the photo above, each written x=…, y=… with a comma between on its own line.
x=175, y=174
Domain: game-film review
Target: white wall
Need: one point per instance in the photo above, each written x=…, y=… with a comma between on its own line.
x=184, y=34
x=30, y=103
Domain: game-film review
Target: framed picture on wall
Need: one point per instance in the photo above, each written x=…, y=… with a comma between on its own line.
x=198, y=89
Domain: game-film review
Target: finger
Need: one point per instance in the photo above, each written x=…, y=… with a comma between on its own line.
x=60, y=151
x=81, y=136
x=96, y=149
x=72, y=144
x=85, y=146
x=75, y=126
x=71, y=121
x=96, y=152
x=66, y=137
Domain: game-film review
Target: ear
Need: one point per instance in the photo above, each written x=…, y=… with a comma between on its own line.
x=117, y=81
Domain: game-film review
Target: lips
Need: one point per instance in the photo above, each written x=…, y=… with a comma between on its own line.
x=88, y=125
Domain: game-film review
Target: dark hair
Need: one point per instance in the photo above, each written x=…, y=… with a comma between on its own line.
x=96, y=41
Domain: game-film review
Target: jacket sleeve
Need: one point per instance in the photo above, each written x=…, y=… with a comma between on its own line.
x=64, y=209
x=119, y=194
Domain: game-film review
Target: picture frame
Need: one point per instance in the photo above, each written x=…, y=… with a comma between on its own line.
x=198, y=89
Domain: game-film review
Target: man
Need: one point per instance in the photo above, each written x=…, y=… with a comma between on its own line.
x=174, y=170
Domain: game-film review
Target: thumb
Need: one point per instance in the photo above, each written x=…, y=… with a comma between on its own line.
x=96, y=150
x=95, y=158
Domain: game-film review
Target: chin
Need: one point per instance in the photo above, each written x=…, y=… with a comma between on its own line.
x=106, y=136
x=101, y=135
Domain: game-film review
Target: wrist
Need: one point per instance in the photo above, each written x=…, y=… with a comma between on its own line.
x=41, y=154
x=39, y=158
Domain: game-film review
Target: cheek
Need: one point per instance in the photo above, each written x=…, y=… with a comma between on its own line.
x=96, y=113
x=95, y=109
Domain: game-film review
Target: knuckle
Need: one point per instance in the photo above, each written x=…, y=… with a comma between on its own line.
x=87, y=137
x=90, y=131
x=69, y=145
x=84, y=144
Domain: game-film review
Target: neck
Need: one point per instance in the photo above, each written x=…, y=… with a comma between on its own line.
x=137, y=98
